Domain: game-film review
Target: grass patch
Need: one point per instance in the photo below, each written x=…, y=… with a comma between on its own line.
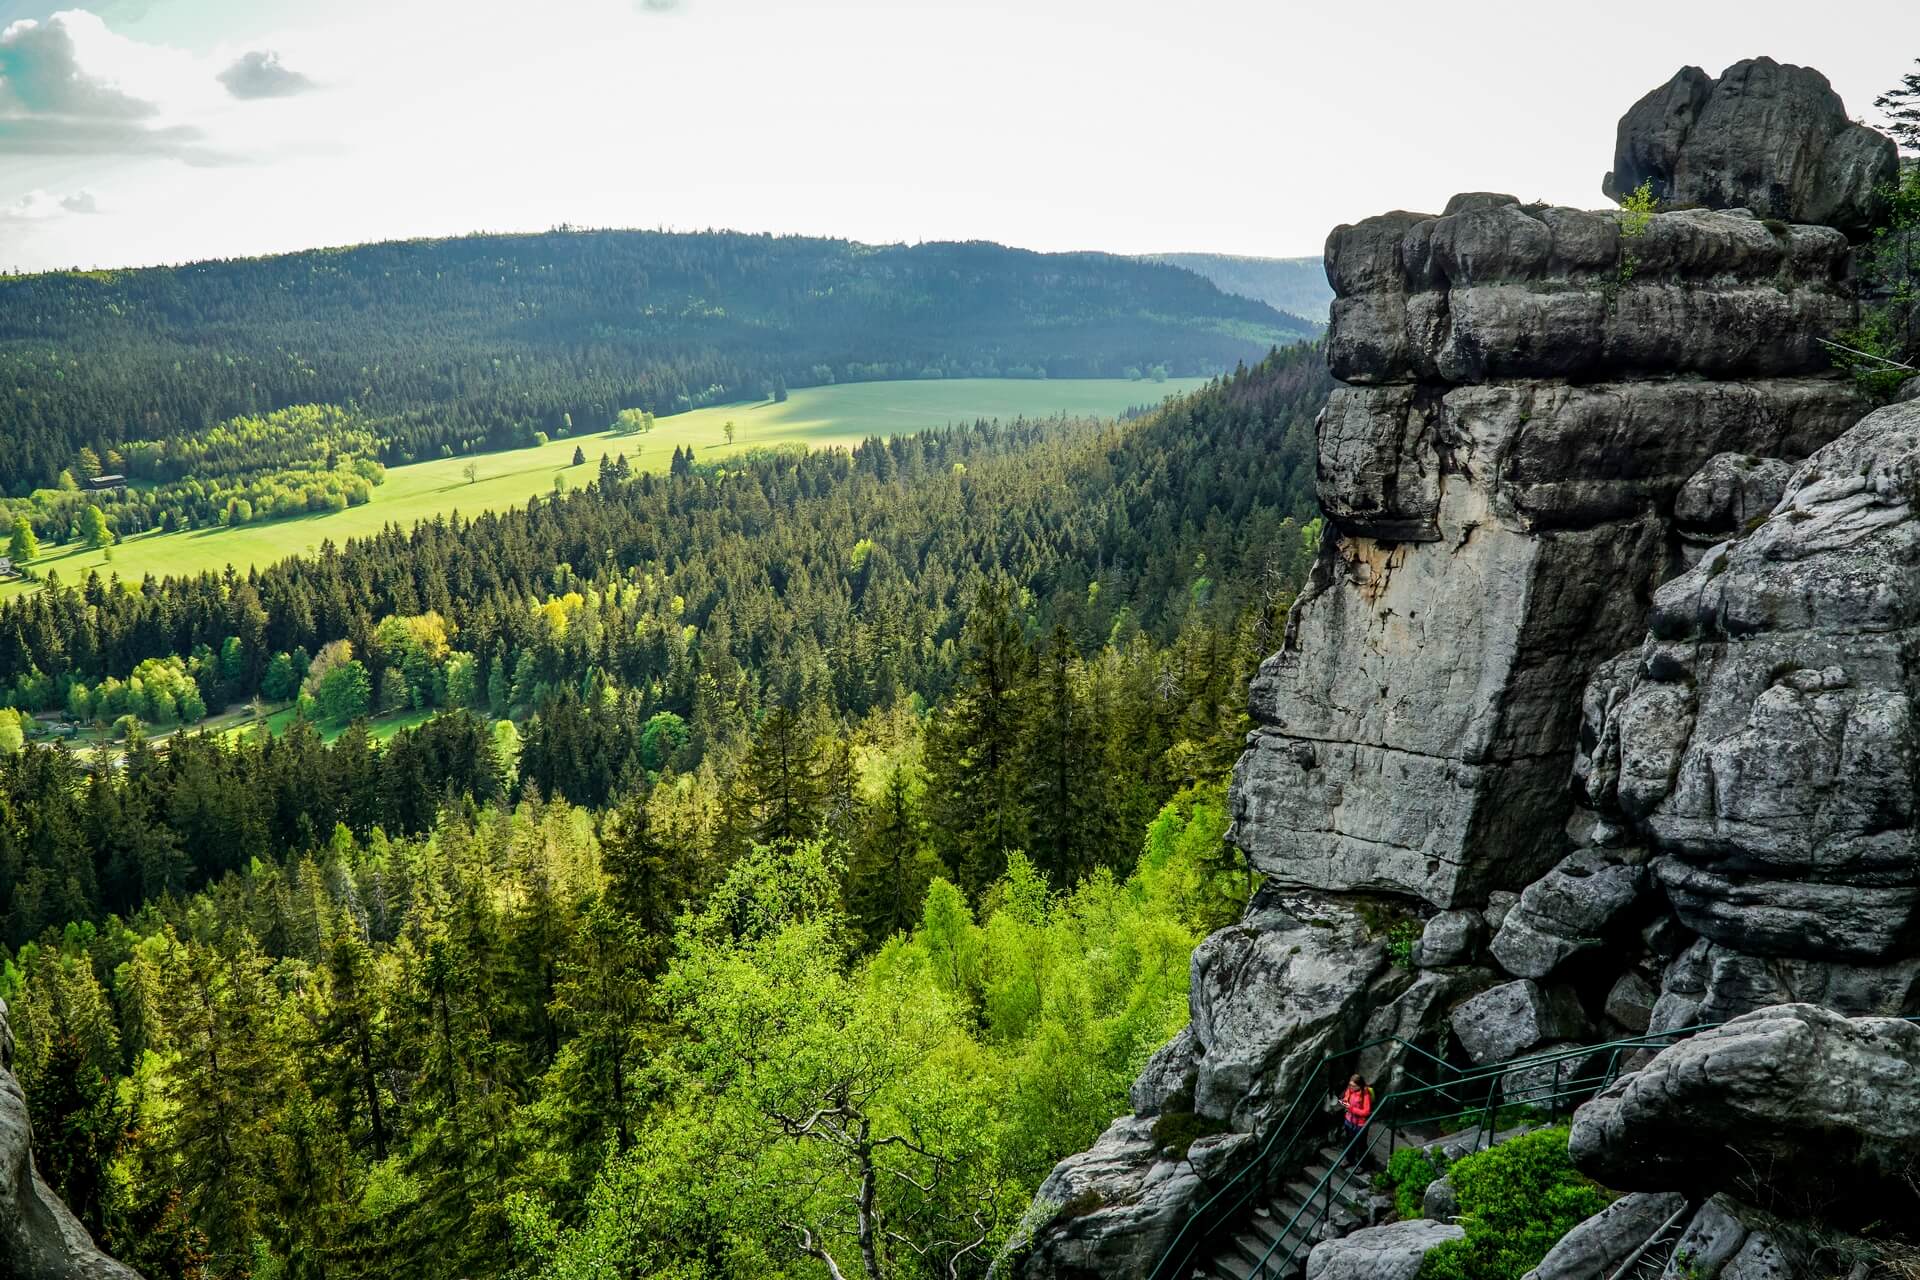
x=818, y=417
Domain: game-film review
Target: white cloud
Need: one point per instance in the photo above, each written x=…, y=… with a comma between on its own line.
x=61, y=94
x=39, y=205
x=259, y=73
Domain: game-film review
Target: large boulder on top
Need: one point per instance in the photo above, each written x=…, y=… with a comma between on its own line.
x=1765, y=136
x=1794, y=1105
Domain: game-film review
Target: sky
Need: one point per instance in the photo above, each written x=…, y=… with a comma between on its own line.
x=148, y=131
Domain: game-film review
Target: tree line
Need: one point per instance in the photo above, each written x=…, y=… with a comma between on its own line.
x=480, y=342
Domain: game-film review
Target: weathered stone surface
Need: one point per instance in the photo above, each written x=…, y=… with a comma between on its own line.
x=1450, y=937
x=1567, y=911
x=1554, y=1078
x=1767, y=137
x=1500, y=904
x=1392, y=1252
x=1440, y=1201
x=1529, y=291
x=1293, y=980
x=1604, y=1241
x=1516, y=1016
x=1764, y=738
x=1107, y=1211
x=1729, y=494
x=39, y=1238
x=1166, y=1082
x=1739, y=1108
x=1712, y=1239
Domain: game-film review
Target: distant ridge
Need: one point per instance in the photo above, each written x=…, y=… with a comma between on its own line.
x=1296, y=286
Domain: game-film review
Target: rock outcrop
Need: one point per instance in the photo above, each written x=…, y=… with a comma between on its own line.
x=1530, y=388
x=39, y=1238
x=1605, y=668
x=1771, y=138
x=1795, y=1108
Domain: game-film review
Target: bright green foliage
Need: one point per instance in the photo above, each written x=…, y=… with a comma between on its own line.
x=1516, y=1200
x=94, y=528
x=1408, y=1175
x=22, y=546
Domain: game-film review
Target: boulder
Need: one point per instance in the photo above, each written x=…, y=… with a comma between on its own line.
x=1392, y=1252
x=1166, y=1082
x=39, y=1238
x=1603, y=1242
x=1567, y=911
x=1515, y=1016
x=1741, y=1109
x=1108, y=1211
x=1449, y=938
x=1418, y=1016
x=1440, y=1201
x=1772, y=138
x=1270, y=996
x=1630, y=1002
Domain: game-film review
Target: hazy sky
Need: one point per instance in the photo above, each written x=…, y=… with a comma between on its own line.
x=139, y=131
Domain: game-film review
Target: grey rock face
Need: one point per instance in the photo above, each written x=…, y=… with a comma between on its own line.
x=1733, y=491
x=1499, y=478
x=1516, y=1016
x=1440, y=1201
x=1108, y=1211
x=39, y=1238
x=1742, y=1107
x=1567, y=911
x=1273, y=994
x=1771, y=138
x=1392, y=1252
x=1419, y=1015
x=1600, y=1244
x=1763, y=736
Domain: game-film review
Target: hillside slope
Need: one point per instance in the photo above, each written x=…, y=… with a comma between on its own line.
x=486, y=339
x=1297, y=286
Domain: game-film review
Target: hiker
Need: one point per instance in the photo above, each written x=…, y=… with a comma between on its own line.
x=1357, y=1103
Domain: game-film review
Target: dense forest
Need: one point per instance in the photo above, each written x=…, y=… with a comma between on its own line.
x=838, y=821
x=478, y=342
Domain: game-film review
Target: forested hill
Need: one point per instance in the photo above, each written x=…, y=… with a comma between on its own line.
x=1296, y=286
x=483, y=340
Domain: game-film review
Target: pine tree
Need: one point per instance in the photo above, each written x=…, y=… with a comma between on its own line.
x=974, y=747
x=782, y=783
x=1901, y=105
x=892, y=866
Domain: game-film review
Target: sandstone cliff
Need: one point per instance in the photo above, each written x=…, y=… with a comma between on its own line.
x=1605, y=669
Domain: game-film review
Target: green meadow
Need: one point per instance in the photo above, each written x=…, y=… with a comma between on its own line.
x=817, y=417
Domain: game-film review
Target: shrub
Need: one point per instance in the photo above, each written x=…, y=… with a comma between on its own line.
x=1409, y=1173
x=1516, y=1201
x=1175, y=1131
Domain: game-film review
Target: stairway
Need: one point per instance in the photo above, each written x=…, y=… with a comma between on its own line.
x=1264, y=1233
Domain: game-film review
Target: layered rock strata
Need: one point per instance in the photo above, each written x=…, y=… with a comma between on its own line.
x=1529, y=390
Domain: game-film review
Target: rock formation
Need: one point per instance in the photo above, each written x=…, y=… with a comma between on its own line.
x=39, y=1238
x=1794, y=1107
x=1774, y=139
x=1602, y=669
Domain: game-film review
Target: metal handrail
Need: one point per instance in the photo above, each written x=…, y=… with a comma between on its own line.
x=1200, y=1222
x=1213, y=1211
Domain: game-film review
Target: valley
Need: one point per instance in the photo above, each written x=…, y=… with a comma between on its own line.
x=811, y=417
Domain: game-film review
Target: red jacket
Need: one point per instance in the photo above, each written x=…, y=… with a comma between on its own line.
x=1359, y=1104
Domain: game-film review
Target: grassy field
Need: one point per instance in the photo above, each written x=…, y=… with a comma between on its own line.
x=813, y=416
